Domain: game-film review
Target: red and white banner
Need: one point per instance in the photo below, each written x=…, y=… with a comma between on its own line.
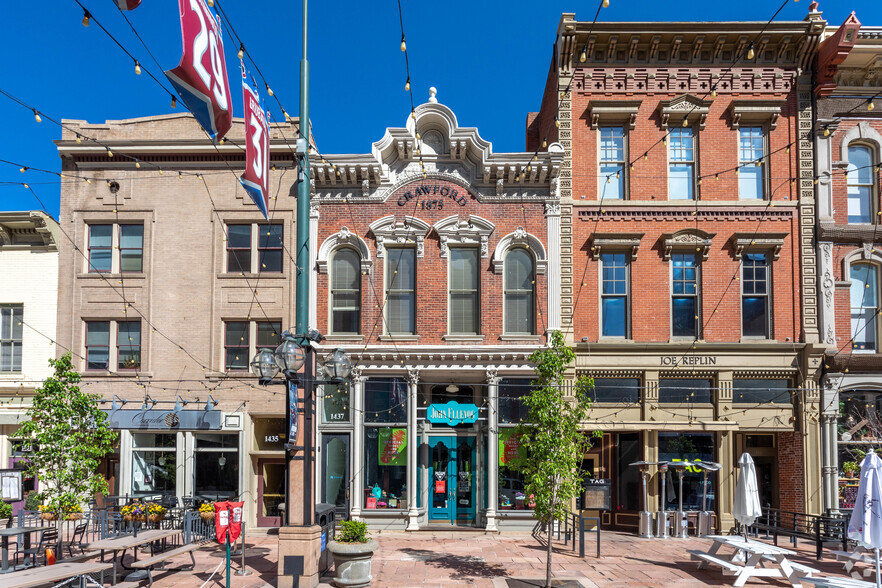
x=201, y=78
x=255, y=180
x=236, y=512
x=221, y=520
x=127, y=4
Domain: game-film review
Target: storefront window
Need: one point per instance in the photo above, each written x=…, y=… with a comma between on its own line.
x=511, y=399
x=269, y=434
x=859, y=431
x=682, y=390
x=153, y=463
x=335, y=404
x=686, y=447
x=773, y=391
x=512, y=493
x=385, y=400
x=625, y=390
x=216, y=466
x=385, y=467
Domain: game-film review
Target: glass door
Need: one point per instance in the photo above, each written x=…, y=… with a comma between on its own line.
x=335, y=467
x=270, y=492
x=452, y=478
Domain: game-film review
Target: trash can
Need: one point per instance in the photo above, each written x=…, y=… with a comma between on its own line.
x=325, y=518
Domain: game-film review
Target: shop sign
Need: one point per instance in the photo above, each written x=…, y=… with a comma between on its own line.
x=200, y=420
x=676, y=360
x=439, y=195
x=392, y=447
x=509, y=445
x=452, y=413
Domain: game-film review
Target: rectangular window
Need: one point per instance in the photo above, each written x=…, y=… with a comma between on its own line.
x=400, y=290
x=619, y=390
x=131, y=248
x=612, y=163
x=511, y=394
x=385, y=468
x=769, y=391
x=239, y=249
x=684, y=295
x=684, y=390
x=464, y=290
x=128, y=345
x=864, y=295
x=751, y=161
x=385, y=400
x=269, y=334
x=98, y=345
x=216, y=466
x=681, y=164
x=861, y=184
x=11, y=321
x=614, y=295
x=686, y=447
x=754, y=295
x=236, y=345
x=269, y=248
x=153, y=463
x=335, y=404
x=100, y=248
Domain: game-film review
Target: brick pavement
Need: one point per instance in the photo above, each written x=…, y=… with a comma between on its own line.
x=441, y=560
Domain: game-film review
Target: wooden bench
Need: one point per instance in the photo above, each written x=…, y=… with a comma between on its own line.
x=728, y=567
x=839, y=582
x=149, y=563
x=50, y=574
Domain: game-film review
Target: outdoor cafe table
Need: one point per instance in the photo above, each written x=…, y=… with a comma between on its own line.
x=126, y=542
x=5, y=534
x=51, y=574
x=755, y=554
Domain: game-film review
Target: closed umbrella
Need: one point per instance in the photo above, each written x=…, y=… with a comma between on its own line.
x=865, y=525
x=747, y=502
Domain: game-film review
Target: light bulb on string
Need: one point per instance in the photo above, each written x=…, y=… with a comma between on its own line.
x=79, y=139
x=137, y=68
x=871, y=106
x=23, y=169
x=714, y=92
x=269, y=90
x=403, y=43
x=544, y=143
x=556, y=122
x=606, y=3
x=109, y=152
x=174, y=102
x=180, y=176
x=826, y=132
x=86, y=17
x=750, y=52
x=584, y=55
x=407, y=85
x=138, y=164
x=241, y=52
x=37, y=116
x=645, y=155
x=685, y=121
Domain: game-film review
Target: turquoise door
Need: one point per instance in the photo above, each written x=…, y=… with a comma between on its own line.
x=452, y=480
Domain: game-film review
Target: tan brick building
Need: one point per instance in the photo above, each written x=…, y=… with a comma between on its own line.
x=688, y=274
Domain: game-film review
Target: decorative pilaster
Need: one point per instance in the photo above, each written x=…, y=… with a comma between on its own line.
x=564, y=189
x=807, y=212
x=650, y=396
x=824, y=152
x=413, y=379
x=828, y=294
x=723, y=401
x=552, y=220
x=357, y=379
x=492, y=448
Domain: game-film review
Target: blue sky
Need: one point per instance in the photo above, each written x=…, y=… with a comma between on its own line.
x=488, y=60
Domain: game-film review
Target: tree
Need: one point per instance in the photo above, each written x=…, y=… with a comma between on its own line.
x=71, y=436
x=551, y=440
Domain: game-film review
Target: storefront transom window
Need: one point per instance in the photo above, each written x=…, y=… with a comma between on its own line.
x=153, y=463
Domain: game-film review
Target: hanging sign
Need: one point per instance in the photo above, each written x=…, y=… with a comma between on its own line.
x=201, y=78
x=509, y=446
x=235, y=509
x=392, y=446
x=452, y=413
x=221, y=520
x=255, y=180
x=292, y=412
x=440, y=486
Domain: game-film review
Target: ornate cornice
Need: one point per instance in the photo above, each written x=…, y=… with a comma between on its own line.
x=686, y=106
x=692, y=240
x=698, y=82
x=389, y=231
x=473, y=230
x=629, y=242
x=723, y=213
x=761, y=242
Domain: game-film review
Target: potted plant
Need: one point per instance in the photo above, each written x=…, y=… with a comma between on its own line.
x=5, y=510
x=206, y=511
x=850, y=468
x=155, y=512
x=352, y=549
x=134, y=511
x=69, y=508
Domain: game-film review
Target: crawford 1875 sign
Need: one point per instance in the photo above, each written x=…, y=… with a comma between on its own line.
x=452, y=413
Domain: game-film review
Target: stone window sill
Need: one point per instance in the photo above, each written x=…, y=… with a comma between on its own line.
x=465, y=338
x=520, y=338
x=399, y=337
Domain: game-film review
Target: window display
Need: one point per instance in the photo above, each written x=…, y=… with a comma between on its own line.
x=686, y=447
x=153, y=463
x=683, y=390
x=385, y=467
x=512, y=493
x=385, y=400
x=216, y=466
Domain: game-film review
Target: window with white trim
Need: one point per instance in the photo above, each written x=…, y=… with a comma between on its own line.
x=519, y=293
x=861, y=184
x=401, y=290
x=612, y=180
x=345, y=292
x=463, y=296
x=865, y=307
x=127, y=239
x=11, y=335
x=752, y=164
x=681, y=164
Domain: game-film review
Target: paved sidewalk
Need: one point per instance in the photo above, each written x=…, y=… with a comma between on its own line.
x=430, y=560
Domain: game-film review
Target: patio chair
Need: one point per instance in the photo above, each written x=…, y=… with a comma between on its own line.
x=76, y=539
x=48, y=538
x=189, y=502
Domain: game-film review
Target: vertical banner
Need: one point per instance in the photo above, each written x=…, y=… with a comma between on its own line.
x=221, y=520
x=292, y=412
x=255, y=180
x=201, y=77
x=392, y=447
x=127, y=4
x=236, y=509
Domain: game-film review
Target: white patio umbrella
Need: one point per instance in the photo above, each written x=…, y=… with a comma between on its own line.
x=747, y=502
x=865, y=525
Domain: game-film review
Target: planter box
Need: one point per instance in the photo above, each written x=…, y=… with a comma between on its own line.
x=352, y=563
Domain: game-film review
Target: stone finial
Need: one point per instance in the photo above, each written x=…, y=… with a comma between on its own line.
x=813, y=7
x=432, y=92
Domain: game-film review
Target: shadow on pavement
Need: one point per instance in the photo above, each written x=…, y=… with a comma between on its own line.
x=462, y=566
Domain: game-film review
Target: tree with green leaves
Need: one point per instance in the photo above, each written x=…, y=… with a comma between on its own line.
x=552, y=442
x=70, y=435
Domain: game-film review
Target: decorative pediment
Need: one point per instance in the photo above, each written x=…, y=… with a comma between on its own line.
x=519, y=238
x=758, y=243
x=343, y=238
x=389, y=231
x=606, y=242
x=614, y=112
x=688, y=107
x=755, y=112
x=471, y=231
x=694, y=240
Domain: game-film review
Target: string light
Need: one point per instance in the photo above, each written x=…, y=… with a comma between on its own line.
x=174, y=103
x=86, y=17
x=407, y=85
x=37, y=116
x=23, y=170
x=826, y=132
x=714, y=92
x=241, y=52
x=584, y=56
x=750, y=52
x=79, y=139
x=871, y=106
x=544, y=143
x=269, y=90
x=138, y=164
x=137, y=68
x=403, y=43
x=606, y=3
x=109, y=152
x=556, y=122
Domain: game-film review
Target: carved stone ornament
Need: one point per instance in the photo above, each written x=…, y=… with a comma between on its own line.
x=519, y=238
x=343, y=238
x=868, y=250
x=614, y=111
x=758, y=243
x=356, y=373
x=606, y=242
x=408, y=230
x=365, y=188
x=685, y=106
x=413, y=375
x=552, y=209
x=5, y=237
x=755, y=112
x=491, y=375
x=471, y=231
x=691, y=240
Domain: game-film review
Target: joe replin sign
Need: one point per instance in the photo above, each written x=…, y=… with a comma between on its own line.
x=452, y=413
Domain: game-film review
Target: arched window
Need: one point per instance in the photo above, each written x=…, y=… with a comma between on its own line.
x=345, y=292
x=520, y=293
x=861, y=184
x=865, y=307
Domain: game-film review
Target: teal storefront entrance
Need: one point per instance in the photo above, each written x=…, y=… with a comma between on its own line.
x=452, y=480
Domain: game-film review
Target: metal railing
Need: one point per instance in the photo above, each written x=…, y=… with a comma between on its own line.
x=798, y=525
x=572, y=530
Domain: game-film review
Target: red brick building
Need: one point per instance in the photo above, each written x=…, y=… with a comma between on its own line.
x=688, y=273
x=437, y=271
x=848, y=143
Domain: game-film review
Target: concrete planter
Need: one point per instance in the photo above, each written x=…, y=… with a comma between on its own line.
x=352, y=563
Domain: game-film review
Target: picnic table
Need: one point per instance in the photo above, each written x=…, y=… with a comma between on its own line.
x=125, y=542
x=5, y=534
x=839, y=582
x=756, y=555
x=851, y=558
x=52, y=574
